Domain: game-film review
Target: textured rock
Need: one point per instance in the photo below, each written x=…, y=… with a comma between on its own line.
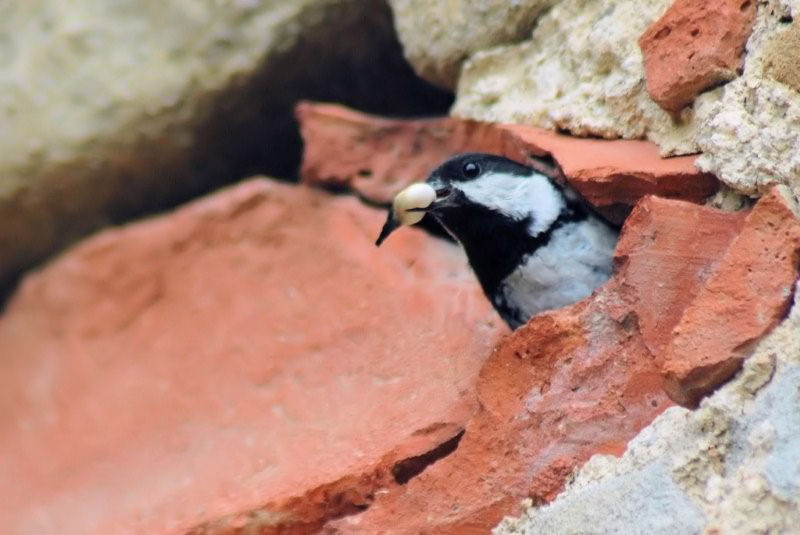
x=729, y=467
x=111, y=109
x=438, y=36
x=665, y=257
x=748, y=295
x=581, y=71
x=570, y=383
x=751, y=138
x=248, y=361
x=781, y=57
x=695, y=45
x=377, y=157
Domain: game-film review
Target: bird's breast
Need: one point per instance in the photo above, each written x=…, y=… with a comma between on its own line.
x=577, y=259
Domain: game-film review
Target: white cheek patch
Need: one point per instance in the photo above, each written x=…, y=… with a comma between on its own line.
x=517, y=196
x=417, y=195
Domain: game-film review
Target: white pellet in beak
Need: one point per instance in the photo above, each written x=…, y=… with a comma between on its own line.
x=417, y=195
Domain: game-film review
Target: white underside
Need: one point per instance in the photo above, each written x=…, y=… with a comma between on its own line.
x=577, y=259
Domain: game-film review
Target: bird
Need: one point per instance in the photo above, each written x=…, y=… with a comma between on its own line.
x=532, y=241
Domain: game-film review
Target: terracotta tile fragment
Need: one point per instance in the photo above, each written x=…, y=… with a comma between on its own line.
x=251, y=359
x=376, y=157
x=695, y=46
x=747, y=295
x=667, y=252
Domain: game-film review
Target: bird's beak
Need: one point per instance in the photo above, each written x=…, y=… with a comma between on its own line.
x=407, y=207
x=390, y=226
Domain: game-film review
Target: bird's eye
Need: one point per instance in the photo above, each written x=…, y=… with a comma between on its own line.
x=471, y=169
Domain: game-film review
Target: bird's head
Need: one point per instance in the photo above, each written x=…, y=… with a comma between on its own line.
x=474, y=195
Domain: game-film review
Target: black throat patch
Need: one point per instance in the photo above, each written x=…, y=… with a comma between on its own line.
x=496, y=244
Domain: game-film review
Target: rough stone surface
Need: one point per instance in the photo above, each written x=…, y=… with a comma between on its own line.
x=748, y=295
x=570, y=383
x=111, y=109
x=581, y=71
x=695, y=45
x=665, y=257
x=566, y=385
x=438, y=36
x=752, y=135
x=781, y=57
x=729, y=467
x=377, y=157
x=250, y=361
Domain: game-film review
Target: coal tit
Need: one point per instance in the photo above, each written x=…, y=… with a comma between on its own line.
x=533, y=243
